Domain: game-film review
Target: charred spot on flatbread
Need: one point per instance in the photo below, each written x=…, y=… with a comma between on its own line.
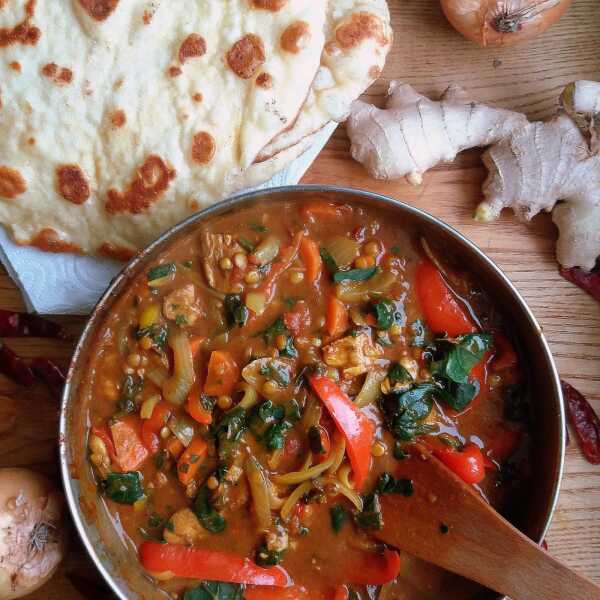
x=174, y=71
x=120, y=253
x=99, y=10
x=12, y=183
x=295, y=37
x=203, y=147
x=149, y=183
x=15, y=66
x=272, y=5
x=361, y=26
x=264, y=80
x=49, y=240
x=72, y=184
x=118, y=118
x=246, y=56
x=22, y=33
x=193, y=46
x=59, y=75
x=197, y=97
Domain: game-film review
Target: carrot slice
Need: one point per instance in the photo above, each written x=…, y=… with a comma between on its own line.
x=310, y=256
x=129, y=449
x=336, y=318
x=223, y=374
x=195, y=408
x=191, y=459
x=175, y=447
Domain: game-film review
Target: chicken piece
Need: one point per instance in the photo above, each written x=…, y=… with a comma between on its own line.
x=184, y=528
x=354, y=354
x=215, y=247
x=181, y=306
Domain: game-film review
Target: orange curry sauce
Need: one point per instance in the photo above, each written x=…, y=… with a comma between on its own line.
x=254, y=390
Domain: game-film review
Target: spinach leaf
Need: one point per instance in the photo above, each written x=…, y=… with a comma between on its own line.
x=289, y=350
x=236, y=312
x=209, y=518
x=229, y=431
x=463, y=355
x=293, y=412
x=339, y=516
x=124, y=488
x=130, y=388
x=328, y=261
x=419, y=334
x=385, y=313
x=246, y=244
x=275, y=328
x=214, y=590
x=274, y=439
x=399, y=374
x=399, y=452
x=355, y=274
x=268, y=558
x=161, y=271
x=277, y=371
x=258, y=227
x=404, y=411
x=386, y=484
x=157, y=333
x=370, y=517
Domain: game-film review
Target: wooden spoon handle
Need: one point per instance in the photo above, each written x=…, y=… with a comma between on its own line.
x=446, y=522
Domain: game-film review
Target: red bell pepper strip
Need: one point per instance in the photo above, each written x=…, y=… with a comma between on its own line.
x=441, y=309
x=211, y=565
x=104, y=434
x=467, y=463
x=374, y=569
x=356, y=427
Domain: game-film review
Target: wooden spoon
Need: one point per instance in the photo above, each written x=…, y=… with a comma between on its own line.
x=479, y=544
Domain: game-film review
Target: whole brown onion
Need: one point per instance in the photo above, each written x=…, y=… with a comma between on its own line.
x=33, y=533
x=503, y=22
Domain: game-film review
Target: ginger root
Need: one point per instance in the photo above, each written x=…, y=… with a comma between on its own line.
x=543, y=163
x=413, y=133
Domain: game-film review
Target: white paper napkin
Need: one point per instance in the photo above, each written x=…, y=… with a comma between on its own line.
x=70, y=284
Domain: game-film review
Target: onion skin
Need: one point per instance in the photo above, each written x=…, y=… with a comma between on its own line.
x=33, y=534
x=503, y=22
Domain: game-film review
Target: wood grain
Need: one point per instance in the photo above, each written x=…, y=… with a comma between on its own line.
x=429, y=54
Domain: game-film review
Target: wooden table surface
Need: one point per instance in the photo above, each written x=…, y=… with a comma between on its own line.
x=428, y=54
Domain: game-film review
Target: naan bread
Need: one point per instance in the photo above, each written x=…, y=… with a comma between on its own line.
x=118, y=118
x=358, y=38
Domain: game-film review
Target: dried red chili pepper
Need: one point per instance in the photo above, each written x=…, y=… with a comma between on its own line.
x=50, y=374
x=15, y=367
x=588, y=281
x=16, y=324
x=585, y=421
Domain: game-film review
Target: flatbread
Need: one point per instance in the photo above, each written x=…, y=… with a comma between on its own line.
x=118, y=118
x=358, y=38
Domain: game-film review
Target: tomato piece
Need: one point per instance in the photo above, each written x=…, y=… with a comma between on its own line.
x=311, y=257
x=223, y=374
x=467, y=463
x=356, y=427
x=130, y=451
x=298, y=320
x=336, y=317
x=211, y=565
x=443, y=312
x=152, y=426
